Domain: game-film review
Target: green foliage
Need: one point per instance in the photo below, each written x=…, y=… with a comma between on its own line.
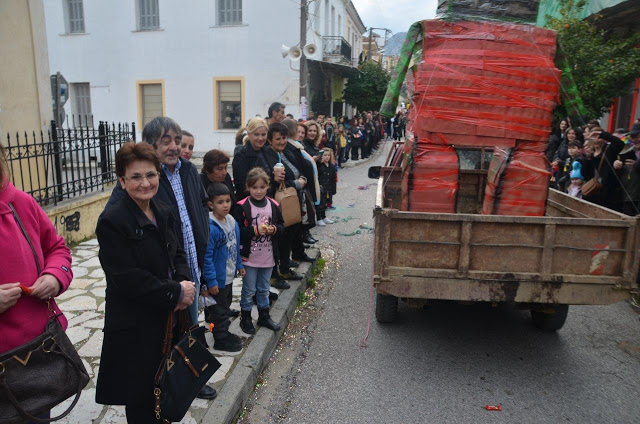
x=366, y=89
x=603, y=65
x=303, y=299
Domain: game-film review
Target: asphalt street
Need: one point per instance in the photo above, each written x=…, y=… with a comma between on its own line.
x=443, y=364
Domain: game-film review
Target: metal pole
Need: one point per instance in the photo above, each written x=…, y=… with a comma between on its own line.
x=303, y=42
x=370, y=36
x=57, y=163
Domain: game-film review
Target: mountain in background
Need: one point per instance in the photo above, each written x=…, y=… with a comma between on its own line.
x=394, y=44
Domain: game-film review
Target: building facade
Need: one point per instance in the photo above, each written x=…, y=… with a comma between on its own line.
x=211, y=65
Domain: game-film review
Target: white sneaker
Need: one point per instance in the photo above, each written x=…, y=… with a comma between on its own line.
x=321, y=223
x=328, y=221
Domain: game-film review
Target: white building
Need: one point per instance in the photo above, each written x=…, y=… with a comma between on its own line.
x=209, y=64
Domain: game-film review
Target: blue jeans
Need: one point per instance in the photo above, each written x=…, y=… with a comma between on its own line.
x=255, y=282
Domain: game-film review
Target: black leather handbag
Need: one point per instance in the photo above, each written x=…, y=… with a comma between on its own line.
x=184, y=370
x=41, y=373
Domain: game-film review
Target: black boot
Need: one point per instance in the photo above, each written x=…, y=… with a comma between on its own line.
x=264, y=320
x=231, y=343
x=245, y=322
x=308, y=240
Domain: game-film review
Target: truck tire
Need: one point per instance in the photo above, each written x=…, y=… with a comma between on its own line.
x=550, y=321
x=386, y=308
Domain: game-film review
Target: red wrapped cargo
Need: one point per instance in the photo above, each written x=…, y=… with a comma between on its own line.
x=482, y=84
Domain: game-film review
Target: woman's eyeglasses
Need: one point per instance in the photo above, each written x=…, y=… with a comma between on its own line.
x=138, y=179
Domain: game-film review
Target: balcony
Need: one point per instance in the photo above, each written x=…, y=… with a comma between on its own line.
x=336, y=50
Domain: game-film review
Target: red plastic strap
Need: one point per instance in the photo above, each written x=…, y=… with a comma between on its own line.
x=497, y=66
x=487, y=123
x=427, y=110
x=487, y=91
x=494, y=81
x=537, y=60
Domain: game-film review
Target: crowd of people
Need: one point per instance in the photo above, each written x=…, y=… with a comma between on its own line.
x=592, y=164
x=209, y=229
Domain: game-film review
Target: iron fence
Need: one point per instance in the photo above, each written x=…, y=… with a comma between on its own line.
x=63, y=163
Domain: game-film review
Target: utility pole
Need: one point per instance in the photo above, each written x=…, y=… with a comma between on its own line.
x=303, y=42
x=370, y=37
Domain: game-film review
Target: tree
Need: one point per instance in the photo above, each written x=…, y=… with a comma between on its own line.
x=365, y=89
x=603, y=65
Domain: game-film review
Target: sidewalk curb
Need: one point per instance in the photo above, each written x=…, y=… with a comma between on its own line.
x=240, y=383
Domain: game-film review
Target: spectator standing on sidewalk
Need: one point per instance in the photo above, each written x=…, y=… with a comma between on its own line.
x=214, y=170
x=631, y=174
x=311, y=192
x=252, y=155
x=186, y=146
x=275, y=113
x=327, y=178
x=261, y=224
x=181, y=189
x=24, y=317
x=602, y=149
x=357, y=138
x=342, y=142
x=148, y=278
x=222, y=262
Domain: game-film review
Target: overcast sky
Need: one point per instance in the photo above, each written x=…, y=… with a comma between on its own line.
x=397, y=15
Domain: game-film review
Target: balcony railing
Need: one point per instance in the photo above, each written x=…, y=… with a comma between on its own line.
x=336, y=48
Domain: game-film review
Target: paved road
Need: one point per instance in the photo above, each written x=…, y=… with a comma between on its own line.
x=443, y=364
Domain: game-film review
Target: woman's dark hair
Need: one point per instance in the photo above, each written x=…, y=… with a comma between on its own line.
x=217, y=189
x=131, y=152
x=278, y=128
x=255, y=175
x=4, y=168
x=214, y=158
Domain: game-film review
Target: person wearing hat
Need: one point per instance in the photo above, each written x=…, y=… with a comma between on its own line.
x=575, y=189
x=631, y=172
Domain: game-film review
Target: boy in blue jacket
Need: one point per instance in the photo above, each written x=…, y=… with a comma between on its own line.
x=222, y=262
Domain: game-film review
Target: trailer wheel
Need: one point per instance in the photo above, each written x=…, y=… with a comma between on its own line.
x=386, y=308
x=550, y=321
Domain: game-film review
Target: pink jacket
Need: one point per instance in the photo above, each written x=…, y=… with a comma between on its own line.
x=27, y=318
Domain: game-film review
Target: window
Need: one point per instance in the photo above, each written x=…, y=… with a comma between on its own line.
x=229, y=12
x=150, y=101
x=229, y=108
x=75, y=16
x=81, y=105
x=148, y=15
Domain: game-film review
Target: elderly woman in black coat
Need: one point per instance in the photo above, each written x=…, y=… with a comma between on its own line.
x=148, y=278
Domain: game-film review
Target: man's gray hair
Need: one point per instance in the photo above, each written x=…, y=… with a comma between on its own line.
x=157, y=127
x=292, y=126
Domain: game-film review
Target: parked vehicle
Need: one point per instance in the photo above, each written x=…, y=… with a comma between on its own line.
x=578, y=254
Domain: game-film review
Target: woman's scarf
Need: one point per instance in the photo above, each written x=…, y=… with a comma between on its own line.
x=298, y=145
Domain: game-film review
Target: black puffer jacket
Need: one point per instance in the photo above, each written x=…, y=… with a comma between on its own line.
x=195, y=199
x=245, y=161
